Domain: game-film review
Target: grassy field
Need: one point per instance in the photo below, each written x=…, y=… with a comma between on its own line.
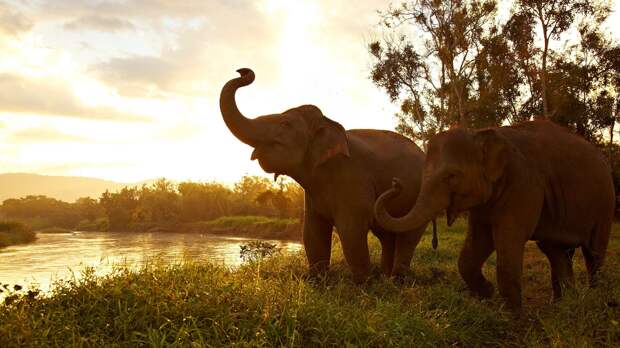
x=272, y=303
x=12, y=233
x=248, y=226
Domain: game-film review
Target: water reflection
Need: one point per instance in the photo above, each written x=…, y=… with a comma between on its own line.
x=60, y=256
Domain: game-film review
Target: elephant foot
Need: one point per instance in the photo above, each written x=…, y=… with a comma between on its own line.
x=483, y=291
x=317, y=273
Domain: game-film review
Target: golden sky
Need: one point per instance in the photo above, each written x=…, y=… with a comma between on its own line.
x=128, y=90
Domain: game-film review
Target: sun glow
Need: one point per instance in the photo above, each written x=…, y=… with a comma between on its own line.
x=89, y=126
x=137, y=98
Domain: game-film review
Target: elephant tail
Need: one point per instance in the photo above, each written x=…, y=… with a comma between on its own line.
x=435, y=241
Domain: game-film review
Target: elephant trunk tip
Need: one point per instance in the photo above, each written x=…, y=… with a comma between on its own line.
x=415, y=219
x=381, y=213
x=246, y=76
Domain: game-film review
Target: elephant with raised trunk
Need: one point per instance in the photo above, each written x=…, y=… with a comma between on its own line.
x=342, y=173
x=532, y=181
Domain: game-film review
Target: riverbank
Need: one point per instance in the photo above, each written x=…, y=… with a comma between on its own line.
x=272, y=303
x=13, y=233
x=260, y=227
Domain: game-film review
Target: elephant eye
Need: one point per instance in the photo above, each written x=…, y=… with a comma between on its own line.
x=285, y=124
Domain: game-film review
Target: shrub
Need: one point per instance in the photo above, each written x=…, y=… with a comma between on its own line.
x=54, y=230
x=257, y=250
x=12, y=232
x=97, y=225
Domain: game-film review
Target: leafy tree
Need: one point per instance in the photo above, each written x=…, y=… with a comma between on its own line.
x=88, y=208
x=41, y=211
x=119, y=207
x=434, y=86
x=553, y=18
x=286, y=198
x=204, y=201
x=157, y=204
x=160, y=205
x=476, y=72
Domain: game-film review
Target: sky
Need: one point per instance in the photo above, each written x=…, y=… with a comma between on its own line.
x=129, y=90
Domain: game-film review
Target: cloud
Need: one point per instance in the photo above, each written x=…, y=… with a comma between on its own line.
x=153, y=9
x=200, y=54
x=19, y=94
x=99, y=23
x=12, y=22
x=137, y=76
x=45, y=135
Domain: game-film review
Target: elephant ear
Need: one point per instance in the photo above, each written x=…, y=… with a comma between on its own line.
x=494, y=151
x=329, y=140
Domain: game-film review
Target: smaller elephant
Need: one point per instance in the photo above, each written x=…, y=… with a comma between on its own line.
x=342, y=173
x=532, y=181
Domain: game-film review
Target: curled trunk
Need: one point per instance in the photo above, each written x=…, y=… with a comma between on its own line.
x=427, y=206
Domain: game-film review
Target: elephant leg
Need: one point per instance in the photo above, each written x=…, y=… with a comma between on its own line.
x=476, y=250
x=317, y=237
x=594, y=252
x=561, y=261
x=388, y=245
x=406, y=243
x=354, y=239
x=509, y=248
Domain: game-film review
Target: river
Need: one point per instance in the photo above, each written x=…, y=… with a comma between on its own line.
x=64, y=255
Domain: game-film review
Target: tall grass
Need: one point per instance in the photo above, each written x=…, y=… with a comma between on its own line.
x=12, y=233
x=271, y=302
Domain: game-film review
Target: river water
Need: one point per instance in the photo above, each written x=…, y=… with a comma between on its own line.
x=64, y=255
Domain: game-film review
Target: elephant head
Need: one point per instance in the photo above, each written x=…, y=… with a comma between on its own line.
x=294, y=142
x=460, y=172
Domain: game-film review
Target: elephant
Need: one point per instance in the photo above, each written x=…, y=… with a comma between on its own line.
x=342, y=173
x=531, y=181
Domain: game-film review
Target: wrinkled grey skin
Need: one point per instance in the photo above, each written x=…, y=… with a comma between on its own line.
x=342, y=173
x=532, y=181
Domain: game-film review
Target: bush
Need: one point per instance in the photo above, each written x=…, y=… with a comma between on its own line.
x=255, y=251
x=54, y=230
x=12, y=232
x=97, y=225
x=261, y=227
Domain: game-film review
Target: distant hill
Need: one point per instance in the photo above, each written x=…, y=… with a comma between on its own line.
x=65, y=188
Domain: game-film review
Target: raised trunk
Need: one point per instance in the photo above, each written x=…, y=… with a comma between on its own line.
x=241, y=127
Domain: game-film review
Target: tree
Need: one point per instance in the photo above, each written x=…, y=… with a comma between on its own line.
x=434, y=87
x=119, y=207
x=88, y=208
x=583, y=80
x=553, y=18
x=287, y=198
x=157, y=204
x=204, y=201
x=475, y=72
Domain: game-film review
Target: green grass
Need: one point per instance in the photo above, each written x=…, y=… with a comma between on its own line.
x=272, y=303
x=54, y=230
x=248, y=226
x=12, y=233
